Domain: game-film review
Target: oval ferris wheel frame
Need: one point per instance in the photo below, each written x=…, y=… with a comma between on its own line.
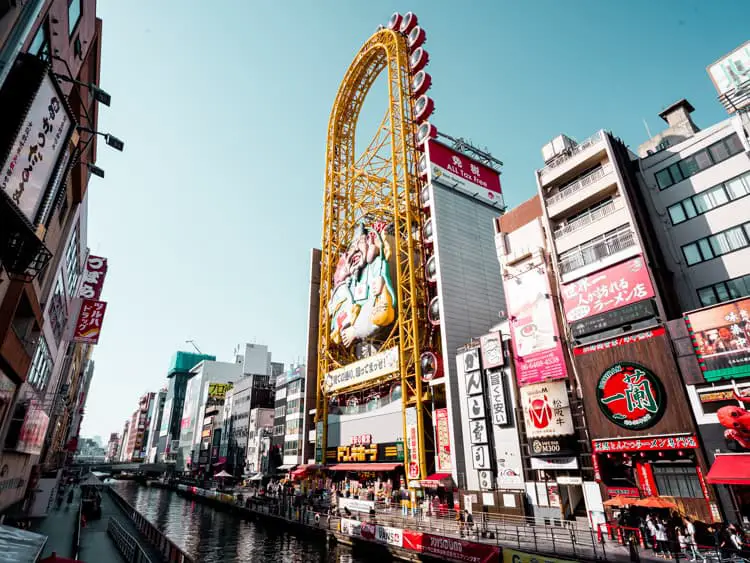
x=371, y=187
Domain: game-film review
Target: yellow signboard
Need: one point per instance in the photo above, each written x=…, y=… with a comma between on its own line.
x=513, y=556
x=218, y=390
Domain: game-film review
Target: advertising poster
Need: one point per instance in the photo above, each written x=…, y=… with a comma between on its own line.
x=514, y=556
x=412, y=440
x=625, y=283
x=33, y=430
x=450, y=549
x=442, y=442
x=377, y=365
x=730, y=72
x=89, y=324
x=721, y=338
x=93, y=278
x=218, y=391
x=351, y=527
x=546, y=410
x=43, y=135
x=538, y=351
x=458, y=171
x=633, y=387
x=382, y=534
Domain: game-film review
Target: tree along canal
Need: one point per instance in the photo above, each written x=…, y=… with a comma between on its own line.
x=213, y=536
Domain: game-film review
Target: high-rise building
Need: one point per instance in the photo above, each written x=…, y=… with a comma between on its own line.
x=113, y=448
x=154, y=428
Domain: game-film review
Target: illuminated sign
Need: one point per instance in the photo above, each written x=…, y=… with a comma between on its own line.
x=546, y=410
x=646, y=444
x=613, y=319
x=553, y=447
x=362, y=440
x=716, y=396
x=631, y=396
x=366, y=453
x=361, y=371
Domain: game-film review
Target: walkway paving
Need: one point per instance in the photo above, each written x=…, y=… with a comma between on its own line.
x=59, y=527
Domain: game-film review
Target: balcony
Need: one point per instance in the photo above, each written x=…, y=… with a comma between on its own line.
x=585, y=220
x=562, y=163
x=600, y=249
x=582, y=192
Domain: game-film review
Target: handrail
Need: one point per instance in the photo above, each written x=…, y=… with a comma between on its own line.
x=574, y=187
x=582, y=146
x=166, y=547
x=126, y=544
x=77, y=532
x=586, y=220
x=600, y=249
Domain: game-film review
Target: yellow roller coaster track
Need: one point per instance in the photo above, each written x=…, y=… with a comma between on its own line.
x=380, y=185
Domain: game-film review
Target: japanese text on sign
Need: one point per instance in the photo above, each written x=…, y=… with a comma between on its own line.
x=93, y=277
x=646, y=444
x=498, y=409
x=357, y=453
x=610, y=289
x=378, y=365
x=89, y=325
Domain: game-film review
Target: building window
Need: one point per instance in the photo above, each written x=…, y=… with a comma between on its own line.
x=597, y=249
x=719, y=244
x=72, y=263
x=40, y=44
x=678, y=481
x=41, y=365
x=724, y=291
x=712, y=198
x=57, y=314
x=699, y=161
x=74, y=14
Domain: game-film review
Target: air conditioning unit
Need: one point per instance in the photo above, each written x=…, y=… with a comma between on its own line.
x=556, y=147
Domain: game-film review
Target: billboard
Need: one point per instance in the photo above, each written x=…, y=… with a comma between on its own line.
x=373, y=367
x=413, y=471
x=443, y=462
x=93, y=277
x=218, y=391
x=88, y=327
x=456, y=170
x=614, y=287
x=363, y=302
x=33, y=430
x=633, y=387
x=731, y=77
x=721, y=338
x=166, y=417
x=492, y=350
x=546, y=410
x=32, y=158
x=450, y=549
x=539, y=354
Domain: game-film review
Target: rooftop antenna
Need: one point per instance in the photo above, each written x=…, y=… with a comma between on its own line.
x=192, y=342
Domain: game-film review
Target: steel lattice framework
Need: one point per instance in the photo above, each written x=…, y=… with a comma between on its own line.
x=379, y=185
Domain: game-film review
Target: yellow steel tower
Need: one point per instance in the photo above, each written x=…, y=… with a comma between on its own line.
x=379, y=185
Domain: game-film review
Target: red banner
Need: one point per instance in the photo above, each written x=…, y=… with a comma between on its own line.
x=646, y=444
x=442, y=441
x=625, y=283
x=89, y=324
x=93, y=277
x=646, y=479
x=451, y=549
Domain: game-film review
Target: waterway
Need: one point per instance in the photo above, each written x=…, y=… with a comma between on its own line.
x=213, y=536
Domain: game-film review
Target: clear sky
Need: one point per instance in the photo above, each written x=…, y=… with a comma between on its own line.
x=209, y=215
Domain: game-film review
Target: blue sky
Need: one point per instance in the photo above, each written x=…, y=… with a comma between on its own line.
x=208, y=216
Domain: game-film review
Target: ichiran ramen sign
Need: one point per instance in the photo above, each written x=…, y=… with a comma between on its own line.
x=631, y=396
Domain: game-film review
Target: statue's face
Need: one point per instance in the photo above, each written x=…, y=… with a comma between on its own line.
x=355, y=256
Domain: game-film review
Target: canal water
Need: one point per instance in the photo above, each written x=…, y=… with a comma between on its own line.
x=213, y=536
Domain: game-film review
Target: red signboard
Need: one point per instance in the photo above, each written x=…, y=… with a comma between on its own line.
x=462, y=173
x=93, y=277
x=646, y=479
x=89, y=324
x=538, y=350
x=451, y=549
x=631, y=396
x=619, y=341
x=632, y=492
x=33, y=430
x=646, y=444
x=622, y=284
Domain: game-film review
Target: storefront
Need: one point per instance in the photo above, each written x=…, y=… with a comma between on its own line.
x=644, y=440
x=733, y=472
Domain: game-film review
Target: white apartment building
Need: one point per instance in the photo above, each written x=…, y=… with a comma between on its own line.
x=695, y=184
x=259, y=430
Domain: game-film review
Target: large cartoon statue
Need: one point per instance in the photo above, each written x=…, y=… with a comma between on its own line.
x=363, y=300
x=737, y=422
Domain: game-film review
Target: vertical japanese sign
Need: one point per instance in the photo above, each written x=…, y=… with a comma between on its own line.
x=32, y=158
x=89, y=324
x=496, y=391
x=539, y=355
x=414, y=471
x=442, y=441
x=492, y=350
x=93, y=277
x=607, y=290
x=33, y=430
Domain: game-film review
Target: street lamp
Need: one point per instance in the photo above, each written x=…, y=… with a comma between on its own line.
x=95, y=170
x=110, y=139
x=99, y=95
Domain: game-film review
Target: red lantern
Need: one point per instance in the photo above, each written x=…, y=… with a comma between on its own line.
x=408, y=22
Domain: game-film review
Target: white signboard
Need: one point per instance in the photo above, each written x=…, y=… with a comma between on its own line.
x=731, y=70
x=350, y=527
x=356, y=505
x=480, y=456
x=554, y=463
x=478, y=431
x=471, y=360
x=25, y=175
x=375, y=366
x=387, y=535
x=413, y=471
x=474, y=383
x=496, y=391
x=546, y=409
x=492, y=350
x=476, y=407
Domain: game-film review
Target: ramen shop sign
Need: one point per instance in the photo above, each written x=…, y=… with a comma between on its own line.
x=631, y=396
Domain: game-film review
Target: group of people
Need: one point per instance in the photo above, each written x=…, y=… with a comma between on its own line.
x=667, y=534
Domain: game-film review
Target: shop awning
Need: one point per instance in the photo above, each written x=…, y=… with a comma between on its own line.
x=730, y=469
x=374, y=467
x=302, y=469
x=256, y=477
x=437, y=480
x=285, y=468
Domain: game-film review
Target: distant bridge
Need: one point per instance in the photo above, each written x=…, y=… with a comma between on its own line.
x=144, y=468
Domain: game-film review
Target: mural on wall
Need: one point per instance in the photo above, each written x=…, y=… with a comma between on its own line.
x=363, y=302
